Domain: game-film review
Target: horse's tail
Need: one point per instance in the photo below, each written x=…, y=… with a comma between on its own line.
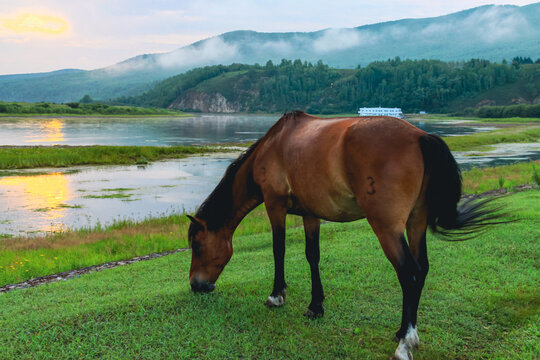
x=443, y=193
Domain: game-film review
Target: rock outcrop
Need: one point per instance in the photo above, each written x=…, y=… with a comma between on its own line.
x=203, y=102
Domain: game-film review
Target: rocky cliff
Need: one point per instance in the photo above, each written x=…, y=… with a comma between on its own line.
x=203, y=102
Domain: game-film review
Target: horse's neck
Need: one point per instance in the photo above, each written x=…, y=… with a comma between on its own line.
x=246, y=195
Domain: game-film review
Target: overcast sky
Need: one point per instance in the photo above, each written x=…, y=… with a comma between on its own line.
x=45, y=35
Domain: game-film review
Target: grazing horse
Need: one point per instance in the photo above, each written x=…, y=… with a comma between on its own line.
x=380, y=168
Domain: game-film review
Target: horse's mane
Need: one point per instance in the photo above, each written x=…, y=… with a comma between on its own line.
x=217, y=206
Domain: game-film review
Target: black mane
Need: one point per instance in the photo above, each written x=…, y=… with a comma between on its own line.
x=217, y=206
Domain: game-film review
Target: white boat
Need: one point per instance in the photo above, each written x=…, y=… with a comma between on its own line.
x=380, y=111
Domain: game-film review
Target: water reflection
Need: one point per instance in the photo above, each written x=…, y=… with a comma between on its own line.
x=42, y=198
x=44, y=203
x=51, y=132
x=200, y=129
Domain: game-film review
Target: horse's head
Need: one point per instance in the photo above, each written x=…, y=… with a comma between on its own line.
x=211, y=251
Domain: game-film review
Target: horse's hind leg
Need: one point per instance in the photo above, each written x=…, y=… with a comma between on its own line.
x=408, y=271
x=412, y=270
x=416, y=234
x=311, y=227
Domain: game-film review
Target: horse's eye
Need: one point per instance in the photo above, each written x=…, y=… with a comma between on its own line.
x=196, y=247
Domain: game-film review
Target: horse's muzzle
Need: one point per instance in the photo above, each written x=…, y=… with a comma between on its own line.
x=204, y=287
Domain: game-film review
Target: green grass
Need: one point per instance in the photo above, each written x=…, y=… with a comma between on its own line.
x=481, y=301
x=515, y=134
x=80, y=109
x=61, y=156
x=26, y=258
x=476, y=181
x=512, y=120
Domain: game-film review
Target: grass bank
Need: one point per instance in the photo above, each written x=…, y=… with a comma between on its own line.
x=516, y=134
x=481, y=301
x=16, y=157
x=26, y=258
x=81, y=109
x=507, y=120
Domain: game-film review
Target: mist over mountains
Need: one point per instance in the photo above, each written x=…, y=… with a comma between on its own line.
x=488, y=32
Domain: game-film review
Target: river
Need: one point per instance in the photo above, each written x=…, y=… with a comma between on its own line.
x=47, y=200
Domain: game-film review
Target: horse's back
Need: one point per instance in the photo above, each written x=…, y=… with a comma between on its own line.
x=335, y=168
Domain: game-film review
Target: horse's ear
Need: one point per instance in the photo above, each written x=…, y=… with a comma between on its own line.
x=196, y=222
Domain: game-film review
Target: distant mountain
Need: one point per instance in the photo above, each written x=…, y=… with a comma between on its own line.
x=488, y=32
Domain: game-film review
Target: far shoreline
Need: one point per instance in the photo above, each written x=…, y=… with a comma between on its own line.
x=79, y=116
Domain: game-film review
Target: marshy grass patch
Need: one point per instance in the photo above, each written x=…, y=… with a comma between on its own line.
x=119, y=189
x=69, y=206
x=26, y=157
x=478, y=141
x=108, y=196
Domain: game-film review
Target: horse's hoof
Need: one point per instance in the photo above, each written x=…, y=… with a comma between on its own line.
x=277, y=300
x=402, y=354
x=313, y=315
x=314, y=311
x=409, y=357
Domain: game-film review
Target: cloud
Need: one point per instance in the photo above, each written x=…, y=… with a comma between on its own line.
x=213, y=50
x=341, y=39
x=280, y=47
x=491, y=25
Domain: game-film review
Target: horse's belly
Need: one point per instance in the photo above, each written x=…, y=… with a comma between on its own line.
x=332, y=208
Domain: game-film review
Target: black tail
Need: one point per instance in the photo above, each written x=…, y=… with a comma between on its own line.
x=443, y=192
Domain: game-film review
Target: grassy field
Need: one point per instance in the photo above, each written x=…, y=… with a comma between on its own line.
x=481, y=301
x=16, y=157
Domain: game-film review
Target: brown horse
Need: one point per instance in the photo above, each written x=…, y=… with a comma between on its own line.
x=380, y=168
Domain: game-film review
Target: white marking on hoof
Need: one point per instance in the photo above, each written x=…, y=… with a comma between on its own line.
x=276, y=300
x=411, y=338
x=402, y=352
x=409, y=342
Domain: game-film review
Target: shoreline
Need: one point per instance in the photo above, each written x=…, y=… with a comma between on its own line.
x=78, y=116
x=27, y=257
x=66, y=275
x=13, y=158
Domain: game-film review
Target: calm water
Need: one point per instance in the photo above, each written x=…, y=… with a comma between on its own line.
x=85, y=196
x=201, y=129
x=56, y=199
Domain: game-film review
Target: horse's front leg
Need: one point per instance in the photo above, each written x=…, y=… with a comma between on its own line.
x=311, y=227
x=277, y=216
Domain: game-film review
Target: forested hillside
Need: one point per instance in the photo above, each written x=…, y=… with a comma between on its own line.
x=413, y=85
